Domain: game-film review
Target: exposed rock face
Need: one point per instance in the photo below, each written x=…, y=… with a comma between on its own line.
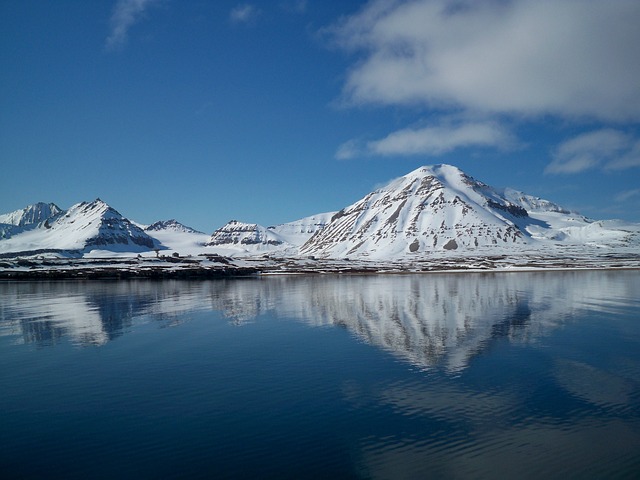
x=238, y=233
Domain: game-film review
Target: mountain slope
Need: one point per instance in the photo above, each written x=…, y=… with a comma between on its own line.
x=97, y=224
x=429, y=209
x=299, y=231
x=553, y=223
x=177, y=238
x=441, y=209
x=85, y=226
x=248, y=238
x=27, y=218
x=31, y=215
x=432, y=210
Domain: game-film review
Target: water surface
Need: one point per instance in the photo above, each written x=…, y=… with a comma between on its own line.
x=521, y=375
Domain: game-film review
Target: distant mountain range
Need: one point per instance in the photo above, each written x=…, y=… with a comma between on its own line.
x=436, y=210
x=287, y=237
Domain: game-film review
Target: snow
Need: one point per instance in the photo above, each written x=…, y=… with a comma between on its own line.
x=431, y=208
x=246, y=239
x=299, y=231
x=434, y=212
x=31, y=215
x=82, y=226
x=181, y=242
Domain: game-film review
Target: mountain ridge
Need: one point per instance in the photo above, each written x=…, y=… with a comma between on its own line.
x=84, y=226
x=433, y=210
x=31, y=214
x=430, y=208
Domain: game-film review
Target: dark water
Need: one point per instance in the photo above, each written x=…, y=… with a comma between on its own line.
x=521, y=375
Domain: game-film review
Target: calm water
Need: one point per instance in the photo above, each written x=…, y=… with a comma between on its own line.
x=520, y=375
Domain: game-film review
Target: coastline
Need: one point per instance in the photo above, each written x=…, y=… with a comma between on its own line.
x=215, y=266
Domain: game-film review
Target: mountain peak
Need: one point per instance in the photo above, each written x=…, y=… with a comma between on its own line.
x=172, y=225
x=438, y=208
x=433, y=208
x=236, y=233
x=439, y=174
x=31, y=215
x=97, y=208
x=97, y=224
x=441, y=171
x=436, y=170
x=98, y=203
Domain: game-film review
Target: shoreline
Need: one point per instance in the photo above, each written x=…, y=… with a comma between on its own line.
x=217, y=267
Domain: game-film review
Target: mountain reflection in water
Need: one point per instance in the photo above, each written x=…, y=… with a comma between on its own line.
x=435, y=320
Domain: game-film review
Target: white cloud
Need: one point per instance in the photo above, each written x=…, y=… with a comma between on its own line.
x=626, y=195
x=605, y=148
x=126, y=13
x=629, y=159
x=432, y=140
x=294, y=6
x=569, y=58
x=244, y=13
x=349, y=149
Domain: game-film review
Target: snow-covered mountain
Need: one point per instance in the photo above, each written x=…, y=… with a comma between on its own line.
x=431, y=208
x=177, y=238
x=299, y=231
x=27, y=218
x=254, y=238
x=97, y=224
x=440, y=208
x=531, y=203
x=31, y=215
x=170, y=225
x=434, y=210
x=84, y=227
x=245, y=236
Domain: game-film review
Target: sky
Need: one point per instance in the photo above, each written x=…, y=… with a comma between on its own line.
x=270, y=111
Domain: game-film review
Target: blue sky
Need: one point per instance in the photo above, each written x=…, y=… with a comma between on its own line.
x=271, y=111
